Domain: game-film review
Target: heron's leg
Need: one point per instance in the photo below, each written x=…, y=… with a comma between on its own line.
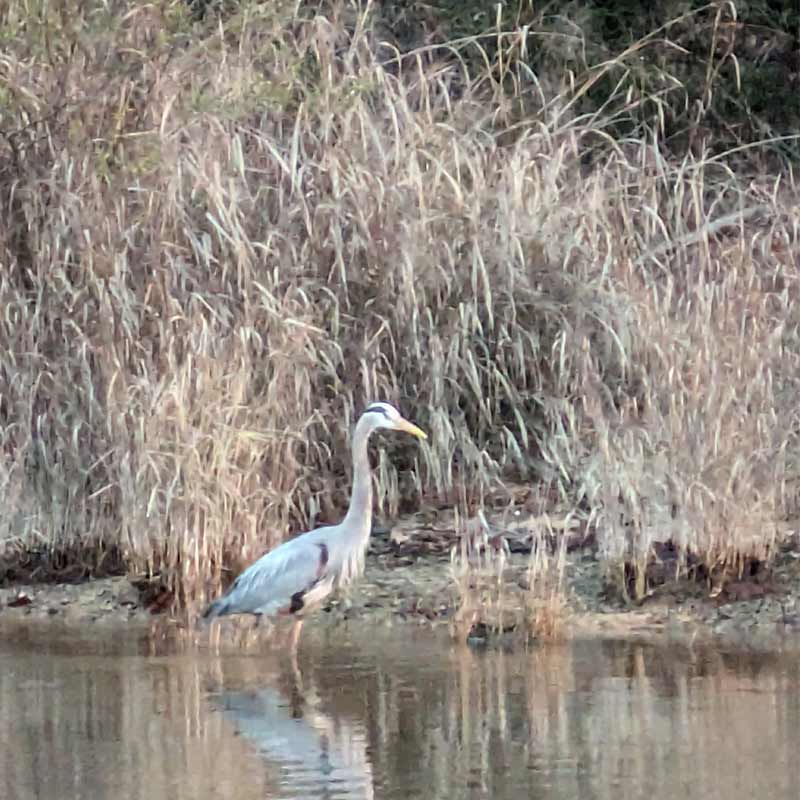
x=294, y=636
x=254, y=630
x=298, y=691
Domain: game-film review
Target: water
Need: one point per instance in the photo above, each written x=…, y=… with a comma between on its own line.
x=393, y=714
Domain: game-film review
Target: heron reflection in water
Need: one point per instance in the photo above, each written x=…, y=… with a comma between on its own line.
x=320, y=754
x=297, y=576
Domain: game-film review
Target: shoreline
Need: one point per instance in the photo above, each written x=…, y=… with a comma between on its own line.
x=398, y=588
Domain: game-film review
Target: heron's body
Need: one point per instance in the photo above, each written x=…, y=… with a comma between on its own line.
x=292, y=578
x=297, y=576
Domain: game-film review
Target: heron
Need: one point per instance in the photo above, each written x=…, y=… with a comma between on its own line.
x=298, y=575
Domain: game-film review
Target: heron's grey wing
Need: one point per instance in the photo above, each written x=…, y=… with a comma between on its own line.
x=279, y=579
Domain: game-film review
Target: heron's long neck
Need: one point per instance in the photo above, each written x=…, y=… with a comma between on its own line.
x=360, y=511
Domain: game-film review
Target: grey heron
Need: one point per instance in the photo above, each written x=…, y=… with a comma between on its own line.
x=295, y=577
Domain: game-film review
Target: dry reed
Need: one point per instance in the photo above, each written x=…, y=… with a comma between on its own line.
x=219, y=240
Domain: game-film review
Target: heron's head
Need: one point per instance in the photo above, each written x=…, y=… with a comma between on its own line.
x=384, y=415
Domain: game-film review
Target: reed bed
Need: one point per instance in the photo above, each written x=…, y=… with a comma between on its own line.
x=220, y=239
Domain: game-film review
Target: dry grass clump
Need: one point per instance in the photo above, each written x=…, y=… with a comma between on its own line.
x=477, y=565
x=700, y=449
x=220, y=240
x=545, y=611
x=494, y=597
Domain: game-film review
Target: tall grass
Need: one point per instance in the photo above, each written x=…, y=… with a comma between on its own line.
x=219, y=240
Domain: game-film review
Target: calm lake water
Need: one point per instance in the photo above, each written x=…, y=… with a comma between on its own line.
x=392, y=714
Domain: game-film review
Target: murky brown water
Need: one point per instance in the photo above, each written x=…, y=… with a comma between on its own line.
x=393, y=714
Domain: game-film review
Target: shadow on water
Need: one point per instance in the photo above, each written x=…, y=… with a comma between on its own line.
x=393, y=714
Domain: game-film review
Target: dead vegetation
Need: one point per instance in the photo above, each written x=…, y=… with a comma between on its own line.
x=219, y=240
x=493, y=600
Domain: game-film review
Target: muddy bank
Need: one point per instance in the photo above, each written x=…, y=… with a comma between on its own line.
x=409, y=579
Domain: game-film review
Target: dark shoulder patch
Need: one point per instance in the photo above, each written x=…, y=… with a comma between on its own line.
x=297, y=602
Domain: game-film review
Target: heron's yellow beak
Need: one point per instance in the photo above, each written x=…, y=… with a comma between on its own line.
x=410, y=427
